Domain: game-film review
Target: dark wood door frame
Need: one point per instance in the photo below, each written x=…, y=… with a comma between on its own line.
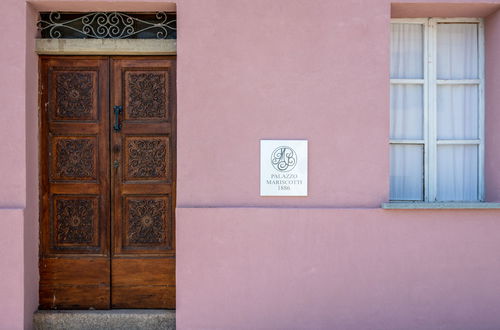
x=107, y=197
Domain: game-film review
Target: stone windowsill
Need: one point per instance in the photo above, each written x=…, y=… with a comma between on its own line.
x=439, y=205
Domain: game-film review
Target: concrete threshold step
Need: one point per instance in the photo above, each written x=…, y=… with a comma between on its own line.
x=123, y=319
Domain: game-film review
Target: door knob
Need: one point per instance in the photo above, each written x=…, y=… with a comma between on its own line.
x=116, y=164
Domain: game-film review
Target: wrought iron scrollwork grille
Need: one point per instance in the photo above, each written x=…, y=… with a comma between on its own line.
x=108, y=25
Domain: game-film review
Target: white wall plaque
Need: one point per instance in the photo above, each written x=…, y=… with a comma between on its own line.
x=283, y=167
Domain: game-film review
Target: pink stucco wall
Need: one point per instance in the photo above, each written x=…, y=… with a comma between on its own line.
x=281, y=69
x=13, y=167
x=443, y=9
x=12, y=87
x=31, y=210
x=269, y=268
x=11, y=269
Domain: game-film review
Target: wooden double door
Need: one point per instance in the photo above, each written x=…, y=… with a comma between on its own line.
x=107, y=182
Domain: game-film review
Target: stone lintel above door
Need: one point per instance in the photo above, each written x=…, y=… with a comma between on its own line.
x=106, y=46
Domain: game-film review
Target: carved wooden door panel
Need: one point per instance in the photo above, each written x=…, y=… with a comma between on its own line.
x=107, y=182
x=74, y=183
x=143, y=264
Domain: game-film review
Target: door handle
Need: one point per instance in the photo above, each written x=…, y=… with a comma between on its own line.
x=117, y=110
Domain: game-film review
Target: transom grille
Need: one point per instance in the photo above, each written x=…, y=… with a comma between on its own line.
x=107, y=25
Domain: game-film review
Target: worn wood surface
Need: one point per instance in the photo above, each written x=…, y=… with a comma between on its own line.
x=142, y=271
x=149, y=283
x=74, y=297
x=74, y=271
x=144, y=296
x=74, y=283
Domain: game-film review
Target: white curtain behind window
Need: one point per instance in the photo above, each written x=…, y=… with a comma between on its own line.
x=407, y=108
x=457, y=112
x=407, y=168
x=457, y=172
x=407, y=51
x=457, y=51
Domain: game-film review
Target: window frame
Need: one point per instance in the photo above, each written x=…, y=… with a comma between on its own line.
x=429, y=83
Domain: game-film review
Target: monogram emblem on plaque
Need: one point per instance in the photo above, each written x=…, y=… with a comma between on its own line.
x=284, y=159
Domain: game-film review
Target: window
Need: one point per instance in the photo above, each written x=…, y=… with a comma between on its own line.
x=437, y=110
